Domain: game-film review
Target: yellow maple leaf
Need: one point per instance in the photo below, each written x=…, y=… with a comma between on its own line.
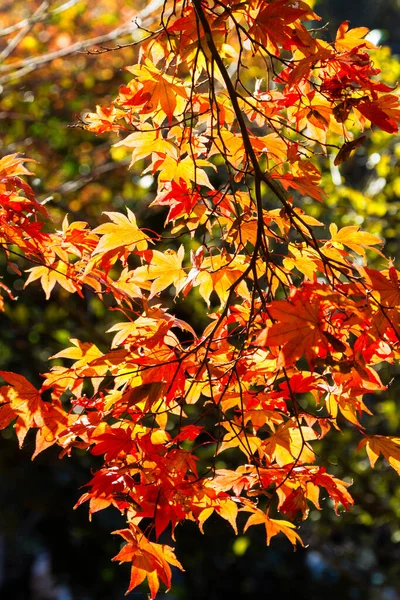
x=353, y=238
x=230, y=145
x=50, y=275
x=219, y=273
x=122, y=232
x=165, y=268
x=272, y=145
x=187, y=169
x=388, y=446
x=227, y=508
x=289, y=444
x=237, y=436
x=144, y=143
x=10, y=166
x=82, y=352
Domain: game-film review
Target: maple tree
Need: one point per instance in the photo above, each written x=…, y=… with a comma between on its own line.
x=297, y=323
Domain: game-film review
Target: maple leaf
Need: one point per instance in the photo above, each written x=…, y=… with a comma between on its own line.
x=122, y=233
x=181, y=199
x=348, y=39
x=230, y=145
x=236, y=436
x=235, y=480
x=189, y=432
x=12, y=165
x=227, y=508
x=112, y=443
x=289, y=444
x=336, y=488
x=347, y=149
x=59, y=272
x=352, y=237
x=383, y=112
x=148, y=559
x=103, y=119
x=159, y=91
x=28, y=398
x=164, y=268
x=82, y=352
x=54, y=429
x=184, y=170
x=298, y=329
x=273, y=145
x=219, y=273
x=145, y=143
x=25, y=402
x=272, y=526
x=388, y=289
x=271, y=26
x=304, y=177
x=388, y=446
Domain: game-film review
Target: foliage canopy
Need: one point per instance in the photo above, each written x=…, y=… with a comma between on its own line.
x=294, y=325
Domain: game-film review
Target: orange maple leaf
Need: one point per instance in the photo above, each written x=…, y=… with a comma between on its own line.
x=272, y=526
x=298, y=329
x=26, y=402
x=388, y=289
x=348, y=39
x=148, y=559
x=159, y=91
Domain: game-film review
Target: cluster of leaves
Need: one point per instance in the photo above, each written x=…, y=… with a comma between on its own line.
x=297, y=324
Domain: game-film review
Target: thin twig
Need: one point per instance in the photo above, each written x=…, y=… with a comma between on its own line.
x=13, y=43
x=17, y=69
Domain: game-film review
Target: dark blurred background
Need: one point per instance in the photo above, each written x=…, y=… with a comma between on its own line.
x=48, y=551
